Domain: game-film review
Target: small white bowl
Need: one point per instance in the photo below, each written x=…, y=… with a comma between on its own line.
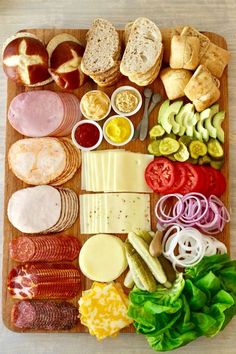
x=112, y=142
x=123, y=88
x=85, y=121
x=86, y=116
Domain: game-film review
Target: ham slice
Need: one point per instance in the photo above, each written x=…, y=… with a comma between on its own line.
x=44, y=113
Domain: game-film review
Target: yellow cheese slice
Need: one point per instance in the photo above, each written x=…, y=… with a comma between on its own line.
x=103, y=309
x=102, y=258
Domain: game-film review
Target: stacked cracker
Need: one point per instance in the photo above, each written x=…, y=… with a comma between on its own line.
x=39, y=161
x=143, y=54
x=101, y=60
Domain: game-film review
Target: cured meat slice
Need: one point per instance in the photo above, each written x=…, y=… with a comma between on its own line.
x=48, y=315
x=30, y=281
x=44, y=113
x=44, y=248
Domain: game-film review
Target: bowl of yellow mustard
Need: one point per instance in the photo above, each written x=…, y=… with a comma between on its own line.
x=118, y=130
x=126, y=101
x=95, y=105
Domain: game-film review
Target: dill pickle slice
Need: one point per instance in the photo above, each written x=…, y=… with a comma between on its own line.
x=153, y=148
x=217, y=164
x=186, y=140
x=197, y=148
x=182, y=154
x=156, y=132
x=215, y=149
x=168, y=146
x=205, y=160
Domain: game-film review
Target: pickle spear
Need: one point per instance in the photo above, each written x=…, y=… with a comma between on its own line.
x=153, y=264
x=141, y=274
x=129, y=281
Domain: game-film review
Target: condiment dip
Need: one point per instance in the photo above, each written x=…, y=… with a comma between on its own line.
x=118, y=130
x=126, y=101
x=87, y=135
x=95, y=105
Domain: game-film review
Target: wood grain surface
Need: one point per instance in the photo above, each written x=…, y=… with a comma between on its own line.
x=14, y=183
x=217, y=16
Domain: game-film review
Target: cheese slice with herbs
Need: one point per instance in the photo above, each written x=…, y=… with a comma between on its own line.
x=114, y=213
x=103, y=309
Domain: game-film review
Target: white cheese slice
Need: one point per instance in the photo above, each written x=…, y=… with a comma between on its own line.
x=102, y=258
x=116, y=212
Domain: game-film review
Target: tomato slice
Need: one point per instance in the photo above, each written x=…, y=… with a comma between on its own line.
x=193, y=182
x=180, y=178
x=204, y=188
x=217, y=182
x=160, y=175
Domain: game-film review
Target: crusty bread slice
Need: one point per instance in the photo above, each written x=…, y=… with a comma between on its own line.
x=102, y=49
x=143, y=47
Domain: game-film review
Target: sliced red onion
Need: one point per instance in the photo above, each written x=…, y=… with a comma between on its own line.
x=193, y=209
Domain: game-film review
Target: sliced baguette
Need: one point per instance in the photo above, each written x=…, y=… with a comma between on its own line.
x=143, y=48
x=102, y=48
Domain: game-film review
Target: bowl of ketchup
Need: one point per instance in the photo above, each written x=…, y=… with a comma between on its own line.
x=87, y=135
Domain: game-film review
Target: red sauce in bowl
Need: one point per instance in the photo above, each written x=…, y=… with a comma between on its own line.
x=87, y=135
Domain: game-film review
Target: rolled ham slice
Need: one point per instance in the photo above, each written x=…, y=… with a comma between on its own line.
x=44, y=113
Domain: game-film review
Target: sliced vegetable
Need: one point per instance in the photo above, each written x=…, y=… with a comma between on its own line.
x=153, y=264
x=180, y=178
x=155, y=247
x=156, y=132
x=168, y=120
x=193, y=183
x=217, y=164
x=197, y=148
x=182, y=154
x=186, y=140
x=129, y=281
x=154, y=148
x=137, y=266
x=217, y=121
x=208, y=123
x=194, y=209
x=189, y=122
x=162, y=111
x=205, y=160
x=200, y=126
x=215, y=149
x=168, y=146
x=160, y=175
x=186, y=110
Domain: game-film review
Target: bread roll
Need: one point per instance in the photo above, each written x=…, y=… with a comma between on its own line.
x=202, y=89
x=204, y=40
x=65, y=55
x=167, y=34
x=25, y=60
x=215, y=59
x=184, y=52
x=174, y=81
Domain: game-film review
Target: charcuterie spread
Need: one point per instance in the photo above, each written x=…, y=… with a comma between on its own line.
x=117, y=187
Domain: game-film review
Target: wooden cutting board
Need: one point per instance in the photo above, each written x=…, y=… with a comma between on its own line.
x=12, y=183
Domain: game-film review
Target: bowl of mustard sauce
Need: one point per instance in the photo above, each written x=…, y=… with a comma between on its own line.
x=118, y=130
x=126, y=100
x=95, y=105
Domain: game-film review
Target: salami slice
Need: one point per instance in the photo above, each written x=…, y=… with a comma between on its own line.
x=49, y=315
x=44, y=248
x=31, y=281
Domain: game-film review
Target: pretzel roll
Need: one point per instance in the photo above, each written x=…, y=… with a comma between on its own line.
x=25, y=60
x=65, y=55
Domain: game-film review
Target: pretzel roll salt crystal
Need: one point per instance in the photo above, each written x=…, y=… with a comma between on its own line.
x=25, y=60
x=44, y=113
x=65, y=55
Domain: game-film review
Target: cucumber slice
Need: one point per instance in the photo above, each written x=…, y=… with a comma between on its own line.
x=156, y=132
x=153, y=148
x=215, y=149
x=168, y=146
x=196, y=134
x=182, y=154
x=162, y=110
x=217, y=121
x=197, y=148
x=208, y=122
x=168, y=119
x=187, y=109
x=190, y=121
x=205, y=160
x=200, y=125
